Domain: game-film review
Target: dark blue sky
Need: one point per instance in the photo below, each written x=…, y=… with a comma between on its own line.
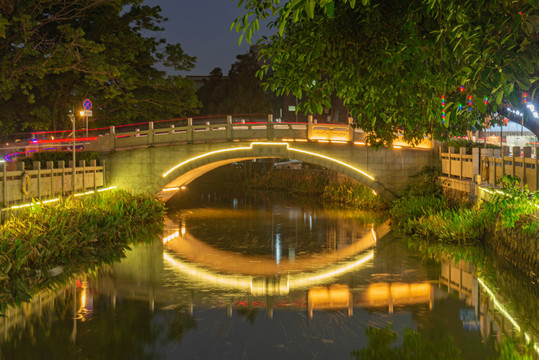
x=202, y=28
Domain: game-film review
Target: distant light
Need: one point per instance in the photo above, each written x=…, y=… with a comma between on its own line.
x=183, y=188
x=81, y=113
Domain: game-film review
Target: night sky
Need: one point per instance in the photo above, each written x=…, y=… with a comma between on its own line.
x=202, y=28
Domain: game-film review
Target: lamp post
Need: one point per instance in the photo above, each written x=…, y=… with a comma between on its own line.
x=72, y=118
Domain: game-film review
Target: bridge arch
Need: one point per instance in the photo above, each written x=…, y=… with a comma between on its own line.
x=184, y=172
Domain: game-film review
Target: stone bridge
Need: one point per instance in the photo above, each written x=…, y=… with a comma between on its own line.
x=161, y=160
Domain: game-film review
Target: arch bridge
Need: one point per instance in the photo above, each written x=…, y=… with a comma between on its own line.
x=163, y=157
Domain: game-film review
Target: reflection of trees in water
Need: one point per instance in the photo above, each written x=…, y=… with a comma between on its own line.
x=414, y=346
x=306, y=230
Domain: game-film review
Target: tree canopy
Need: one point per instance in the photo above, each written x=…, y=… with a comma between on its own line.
x=238, y=93
x=55, y=53
x=409, y=67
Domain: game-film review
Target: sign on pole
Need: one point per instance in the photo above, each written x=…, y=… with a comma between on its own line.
x=87, y=104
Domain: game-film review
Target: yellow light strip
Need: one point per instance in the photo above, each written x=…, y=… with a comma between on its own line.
x=266, y=144
x=359, y=143
x=171, y=189
x=323, y=141
x=171, y=236
x=302, y=140
x=57, y=199
x=339, y=142
x=334, y=160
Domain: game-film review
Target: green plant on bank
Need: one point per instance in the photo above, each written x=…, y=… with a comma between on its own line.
x=513, y=203
x=292, y=181
x=47, y=243
x=354, y=195
x=55, y=156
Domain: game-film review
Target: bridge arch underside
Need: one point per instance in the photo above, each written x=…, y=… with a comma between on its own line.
x=187, y=171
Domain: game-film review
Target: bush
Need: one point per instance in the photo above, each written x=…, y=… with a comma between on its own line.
x=73, y=235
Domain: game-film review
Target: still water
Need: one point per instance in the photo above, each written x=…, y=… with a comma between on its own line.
x=239, y=277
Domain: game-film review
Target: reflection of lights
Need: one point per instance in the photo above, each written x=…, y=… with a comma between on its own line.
x=278, y=248
x=171, y=236
x=271, y=285
x=183, y=230
x=506, y=314
x=374, y=192
x=171, y=189
x=498, y=305
x=183, y=187
x=374, y=234
x=309, y=279
x=397, y=147
x=267, y=144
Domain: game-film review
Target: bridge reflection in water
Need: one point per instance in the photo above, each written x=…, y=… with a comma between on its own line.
x=295, y=286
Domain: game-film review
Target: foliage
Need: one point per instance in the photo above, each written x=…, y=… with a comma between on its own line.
x=352, y=194
x=513, y=203
x=56, y=53
x=414, y=346
x=407, y=211
x=391, y=61
x=238, y=93
x=55, y=156
x=73, y=235
x=463, y=226
x=512, y=350
x=294, y=181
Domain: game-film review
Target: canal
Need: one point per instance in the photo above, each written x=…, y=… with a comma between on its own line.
x=250, y=277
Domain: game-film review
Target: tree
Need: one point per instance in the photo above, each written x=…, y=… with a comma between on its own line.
x=391, y=62
x=55, y=53
x=239, y=93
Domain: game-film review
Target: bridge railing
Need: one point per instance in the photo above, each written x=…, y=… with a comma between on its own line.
x=23, y=185
x=229, y=128
x=488, y=166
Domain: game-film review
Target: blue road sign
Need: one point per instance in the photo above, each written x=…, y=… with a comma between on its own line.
x=87, y=104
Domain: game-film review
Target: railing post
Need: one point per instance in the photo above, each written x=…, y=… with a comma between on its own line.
x=112, y=138
x=270, y=128
x=462, y=151
x=309, y=127
x=102, y=163
x=229, y=127
x=526, y=154
x=37, y=165
x=516, y=155
x=21, y=168
x=476, y=163
x=50, y=166
x=505, y=152
x=189, y=131
x=150, y=133
x=93, y=165
x=82, y=164
x=61, y=165
x=451, y=151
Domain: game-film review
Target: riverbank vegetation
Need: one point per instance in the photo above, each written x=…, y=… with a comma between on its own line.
x=426, y=219
x=47, y=243
x=325, y=186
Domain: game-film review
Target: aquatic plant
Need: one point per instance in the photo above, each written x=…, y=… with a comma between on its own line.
x=47, y=242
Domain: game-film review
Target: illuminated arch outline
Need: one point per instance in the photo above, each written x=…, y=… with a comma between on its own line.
x=265, y=144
